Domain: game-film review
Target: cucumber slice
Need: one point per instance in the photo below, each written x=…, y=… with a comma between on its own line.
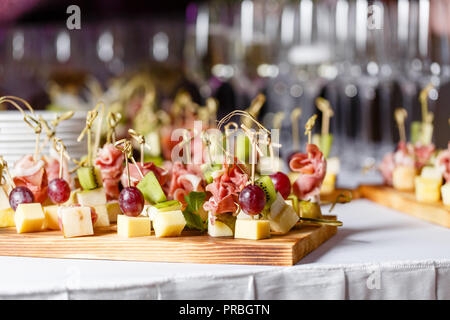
x=266, y=184
x=151, y=189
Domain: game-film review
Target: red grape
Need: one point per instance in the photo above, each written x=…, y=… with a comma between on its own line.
x=252, y=199
x=20, y=195
x=58, y=190
x=131, y=201
x=281, y=183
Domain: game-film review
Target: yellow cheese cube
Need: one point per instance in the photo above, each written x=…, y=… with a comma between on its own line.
x=29, y=217
x=284, y=221
x=92, y=198
x=328, y=184
x=252, y=229
x=76, y=221
x=4, y=200
x=113, y=210
x=445, y=190
x=7, y=218
x=169, y=223
x=128, y=227
x=403, y=178
x=428, y=190
x=51, y=215
x=102, y=216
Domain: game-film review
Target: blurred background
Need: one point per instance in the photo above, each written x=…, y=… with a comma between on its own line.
x=366, y=57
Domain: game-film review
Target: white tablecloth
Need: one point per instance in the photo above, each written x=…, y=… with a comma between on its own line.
x=378, y=254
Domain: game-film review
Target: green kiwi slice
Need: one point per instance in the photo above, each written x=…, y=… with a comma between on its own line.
x=151, y=189
x=266, y=184
x=170, y=205
x=89, y=177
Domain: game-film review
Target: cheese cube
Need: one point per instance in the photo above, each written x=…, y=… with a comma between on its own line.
x=29, y=217
x=431, y=173
x=219, y=228
x=76, y=221
x=113, y=209
x=445, y=191
x=4, y=200
x=51, y=215
x=403, y=178
x=7, y=218
x=169, y=223
x=277, y=206
x=428, y=190
x=284, y=221
x=243, y=215
x=102, y=216
x=128, y=227
x=252, y=229
x=92, y=198
x=328, y=184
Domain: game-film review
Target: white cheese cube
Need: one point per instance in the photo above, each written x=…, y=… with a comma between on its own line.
x=102, y=216
x=284, y=221
x=277, y=206
x=92, y=198
x=445, y=191
x=252, y=229
x=76, y=221
x=403, y=178
x=431, y=173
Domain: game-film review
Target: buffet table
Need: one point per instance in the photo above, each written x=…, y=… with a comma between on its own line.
x=378, y=254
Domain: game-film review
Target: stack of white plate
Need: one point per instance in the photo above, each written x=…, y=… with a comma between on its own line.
x=18, y=139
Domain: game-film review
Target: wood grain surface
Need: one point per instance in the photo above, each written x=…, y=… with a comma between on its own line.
x=406, y=202
x=280, y=250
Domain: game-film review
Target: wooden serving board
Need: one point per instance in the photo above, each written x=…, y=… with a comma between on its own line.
x=406, y=202
x=279, y=250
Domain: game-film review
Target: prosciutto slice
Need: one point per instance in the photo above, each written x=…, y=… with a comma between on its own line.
x=31, y=174
x=403, y=156
x=423, y=154
x=52, y=169
x=110, y=161
x=161, y=174
x=225, y=191
x=443, y=162
x=184, y=179
x=312, y=167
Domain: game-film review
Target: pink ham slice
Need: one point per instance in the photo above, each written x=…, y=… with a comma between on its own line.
x=31, y=174
x=110, y=161
x=312, y=167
